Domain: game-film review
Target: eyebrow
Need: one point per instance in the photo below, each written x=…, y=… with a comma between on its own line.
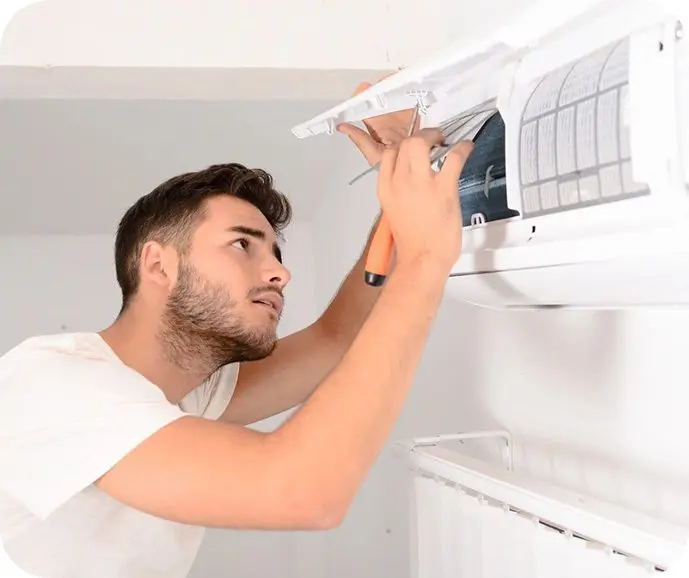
x=256, y=234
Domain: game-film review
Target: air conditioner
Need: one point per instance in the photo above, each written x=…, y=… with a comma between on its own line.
x=576, y=193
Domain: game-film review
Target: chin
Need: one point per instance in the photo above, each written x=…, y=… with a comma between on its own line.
x=256, y=352
x=250, y=340
x=264, y=340
x=270, y=342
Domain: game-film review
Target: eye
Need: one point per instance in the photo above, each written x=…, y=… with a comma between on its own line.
x=241, y=243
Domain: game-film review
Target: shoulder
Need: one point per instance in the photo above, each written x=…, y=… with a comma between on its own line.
x=65, y=365
x=69, y=411
x=65, y=347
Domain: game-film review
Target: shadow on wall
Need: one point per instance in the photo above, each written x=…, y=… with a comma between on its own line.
x=596, y=400
x=535, y=364
x=570, y=337
x=446, y=397
x=472, y=350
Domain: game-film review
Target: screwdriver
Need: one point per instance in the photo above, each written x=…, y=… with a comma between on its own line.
x=380, y=251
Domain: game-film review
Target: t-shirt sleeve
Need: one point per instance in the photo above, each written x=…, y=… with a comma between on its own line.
x=221, y=391
x=212, y=397
x=66, y=420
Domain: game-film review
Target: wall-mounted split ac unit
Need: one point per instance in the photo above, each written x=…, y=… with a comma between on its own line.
x=577, y=191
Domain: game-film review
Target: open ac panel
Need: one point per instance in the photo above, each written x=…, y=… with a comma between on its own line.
x=576, y=193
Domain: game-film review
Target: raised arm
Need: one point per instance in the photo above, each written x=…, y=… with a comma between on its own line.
x=306, y=473
x=301, y=360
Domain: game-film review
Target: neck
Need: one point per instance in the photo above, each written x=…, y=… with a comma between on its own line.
x=139, y=343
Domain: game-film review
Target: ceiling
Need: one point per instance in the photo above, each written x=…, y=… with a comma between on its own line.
x=74, y=166
x=92, y=117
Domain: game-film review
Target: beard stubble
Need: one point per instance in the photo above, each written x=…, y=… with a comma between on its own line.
x=202, y=330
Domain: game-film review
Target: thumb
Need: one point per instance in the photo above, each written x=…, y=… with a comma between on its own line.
x=454, y=162
x=363, y=141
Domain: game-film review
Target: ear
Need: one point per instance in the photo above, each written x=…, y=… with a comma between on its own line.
x=158, y=265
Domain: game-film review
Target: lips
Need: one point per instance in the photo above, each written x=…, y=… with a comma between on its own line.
x=272, y=300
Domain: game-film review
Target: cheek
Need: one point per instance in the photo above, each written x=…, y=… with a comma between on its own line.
x=231, y=272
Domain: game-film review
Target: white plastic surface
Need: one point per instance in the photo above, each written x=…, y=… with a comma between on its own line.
x=451, y=69
x=610, y=249
x=627, y=253
x=476, y=518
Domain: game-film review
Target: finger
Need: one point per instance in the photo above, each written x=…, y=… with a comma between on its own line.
x=386, y=170
x=403, y=132
x=362, y=140
x=387, y=136
x=373, y=132
x=400, y=128
x=454, y=163
x=416, y=150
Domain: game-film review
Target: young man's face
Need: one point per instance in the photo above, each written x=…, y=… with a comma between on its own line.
x=228, y=292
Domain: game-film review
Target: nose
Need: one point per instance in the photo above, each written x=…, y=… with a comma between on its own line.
x=276, y=274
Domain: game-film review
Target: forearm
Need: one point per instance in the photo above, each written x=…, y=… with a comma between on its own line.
x=302, y=360
x=353, y=302
x=332, y=441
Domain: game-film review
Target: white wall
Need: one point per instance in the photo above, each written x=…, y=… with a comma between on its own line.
x=54, y=284
x=183, y=37
x=597, y=400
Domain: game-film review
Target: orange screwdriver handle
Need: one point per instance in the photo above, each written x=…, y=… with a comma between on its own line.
x=379, y=254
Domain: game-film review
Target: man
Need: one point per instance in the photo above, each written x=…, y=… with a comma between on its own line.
x=117, y=448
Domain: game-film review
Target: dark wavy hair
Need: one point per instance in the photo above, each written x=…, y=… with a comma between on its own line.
x=170, y=213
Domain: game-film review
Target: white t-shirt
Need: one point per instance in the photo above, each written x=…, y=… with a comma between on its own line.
x=69, y=410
